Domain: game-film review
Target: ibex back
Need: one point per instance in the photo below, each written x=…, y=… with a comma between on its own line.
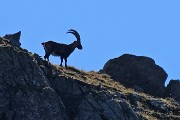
x=62, y=50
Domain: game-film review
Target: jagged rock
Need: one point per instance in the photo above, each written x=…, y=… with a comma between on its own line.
x=93, y=108
x=88, y=104
x=4, y=42
x=173, y=89
x=139, y=71
x=24, y=90
x=134, y=98
x=14, y=38
x=158, y=104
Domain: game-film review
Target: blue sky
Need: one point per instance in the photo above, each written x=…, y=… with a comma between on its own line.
x=108, y=29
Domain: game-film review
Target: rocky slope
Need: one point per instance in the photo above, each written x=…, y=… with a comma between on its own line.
x=33, y=89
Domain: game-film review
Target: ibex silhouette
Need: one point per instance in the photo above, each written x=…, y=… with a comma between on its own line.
x=62, y=50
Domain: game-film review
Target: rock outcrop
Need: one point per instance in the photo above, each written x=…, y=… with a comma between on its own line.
x=14, y=38
x=173, y=89
x=33, y=89
x=137, y=72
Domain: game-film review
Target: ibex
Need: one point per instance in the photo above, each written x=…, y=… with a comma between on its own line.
x=62, y=50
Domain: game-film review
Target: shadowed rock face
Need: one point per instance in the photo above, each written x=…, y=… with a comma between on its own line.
x=14, y=38
x=137, y=71
x=173, y=89
x=24, y=90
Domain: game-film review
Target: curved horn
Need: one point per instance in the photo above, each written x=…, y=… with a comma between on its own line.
x=75, y=33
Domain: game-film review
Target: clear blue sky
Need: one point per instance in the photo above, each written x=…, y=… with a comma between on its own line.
x=108, y=29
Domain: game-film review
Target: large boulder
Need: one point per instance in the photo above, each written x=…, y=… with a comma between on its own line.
x=172, y=89
x=137, y=72
x=14, y=38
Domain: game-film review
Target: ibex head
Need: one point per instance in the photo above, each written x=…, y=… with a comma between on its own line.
x=78, y=41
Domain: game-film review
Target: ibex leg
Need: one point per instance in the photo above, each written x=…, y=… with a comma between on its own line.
x=47, y=56
x=65, y=62
x=61, y=61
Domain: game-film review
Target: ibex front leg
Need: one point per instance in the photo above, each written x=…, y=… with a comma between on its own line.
x=47, y=56
x=65, y=62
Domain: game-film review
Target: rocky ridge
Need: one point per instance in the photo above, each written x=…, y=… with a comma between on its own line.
x=33, y=89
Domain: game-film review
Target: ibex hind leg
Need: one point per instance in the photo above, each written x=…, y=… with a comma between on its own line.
x=61, y=61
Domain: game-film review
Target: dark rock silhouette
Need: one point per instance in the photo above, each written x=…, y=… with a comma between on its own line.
x=34, y=89
x=139, y=72
x=173, y=89
x=14, y=38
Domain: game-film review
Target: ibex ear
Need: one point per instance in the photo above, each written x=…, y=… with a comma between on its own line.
x=43, y=43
